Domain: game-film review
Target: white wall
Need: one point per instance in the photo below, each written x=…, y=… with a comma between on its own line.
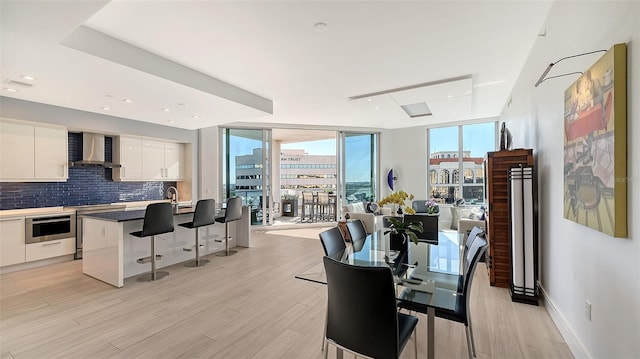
x=579, y=263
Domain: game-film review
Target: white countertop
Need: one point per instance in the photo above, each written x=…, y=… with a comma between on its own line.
x=33, y=211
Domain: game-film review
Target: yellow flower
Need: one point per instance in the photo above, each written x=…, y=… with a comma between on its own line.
x=399, y=198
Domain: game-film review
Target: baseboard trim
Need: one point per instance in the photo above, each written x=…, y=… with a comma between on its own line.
x=573, y=342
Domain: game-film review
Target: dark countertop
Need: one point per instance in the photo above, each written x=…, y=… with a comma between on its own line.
x=123, y=216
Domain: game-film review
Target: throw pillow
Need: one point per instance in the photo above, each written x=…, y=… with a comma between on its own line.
x=358, y=207
x=455, y=216
x=476, y=214
x=372, y=207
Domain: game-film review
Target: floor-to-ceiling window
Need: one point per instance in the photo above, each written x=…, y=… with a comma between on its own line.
x=245, y=173
x=359, y=170
x=280, y=164
x=456, y=154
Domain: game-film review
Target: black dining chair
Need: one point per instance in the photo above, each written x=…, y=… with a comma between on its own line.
x=158, y=219
x=333, y=245
x=461, y=313
x=332, y=241
x=232, y=213
x=356, y=230
x=373, y=328
x=204, y=215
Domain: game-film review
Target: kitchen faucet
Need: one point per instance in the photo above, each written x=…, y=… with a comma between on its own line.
x=172, y=193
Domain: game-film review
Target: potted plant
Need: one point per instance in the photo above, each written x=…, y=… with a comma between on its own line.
x=399, y=230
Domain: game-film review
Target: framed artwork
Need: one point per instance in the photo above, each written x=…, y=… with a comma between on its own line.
x=595, y=145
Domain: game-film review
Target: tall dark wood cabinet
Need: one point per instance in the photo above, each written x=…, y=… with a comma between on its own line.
x=497, y=167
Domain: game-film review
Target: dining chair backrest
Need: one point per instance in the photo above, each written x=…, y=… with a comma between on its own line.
x=475, y=231
x=158, y=219
x=323, y=197
x=205, y=213
x=356, y=229
x=471, y=259
x=233, y=212
x=307, y=197
x=371, y=327
x=332, y=241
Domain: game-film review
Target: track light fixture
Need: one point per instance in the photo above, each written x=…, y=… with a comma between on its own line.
x=546, y=71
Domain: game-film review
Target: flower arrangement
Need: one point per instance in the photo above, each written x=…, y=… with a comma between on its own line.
x=399, y=226
x=399, y=199
x=432, y=206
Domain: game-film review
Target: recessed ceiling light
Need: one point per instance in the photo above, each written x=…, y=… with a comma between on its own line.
x=196, y=116
x=450, y=96
x=171, y=121
x=166, y=109
x=10, y=89
x=27, y=77
x=376, y=108
x=105, y=108
x=321, y=26
x=127, y=100
x=369, y=99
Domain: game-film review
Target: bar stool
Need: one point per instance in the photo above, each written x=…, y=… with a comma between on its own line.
x=158, y=219
x=323, y=206
x=309, y=203
x=233, y=212
x=204, y=215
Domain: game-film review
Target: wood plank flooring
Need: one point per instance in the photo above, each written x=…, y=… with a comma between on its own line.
x=245, y=306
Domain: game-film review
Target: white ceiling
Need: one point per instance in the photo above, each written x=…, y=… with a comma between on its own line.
x=229, y=62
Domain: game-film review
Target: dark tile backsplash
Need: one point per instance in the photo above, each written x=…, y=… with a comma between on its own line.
x=86, y=185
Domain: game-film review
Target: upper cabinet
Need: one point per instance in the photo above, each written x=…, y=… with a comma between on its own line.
x=51, y=154
x=148, y=160
x=32, y=153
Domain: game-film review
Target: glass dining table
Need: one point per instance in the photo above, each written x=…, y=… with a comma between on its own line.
x=426, y=274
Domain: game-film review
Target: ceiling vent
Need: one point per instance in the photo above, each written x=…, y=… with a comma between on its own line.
x=419, y=109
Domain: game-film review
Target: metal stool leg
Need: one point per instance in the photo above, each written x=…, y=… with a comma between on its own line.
x=153, y=275
x=197, y=262
x=227, y=252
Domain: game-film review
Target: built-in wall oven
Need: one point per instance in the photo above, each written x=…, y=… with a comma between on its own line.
x=50, y=227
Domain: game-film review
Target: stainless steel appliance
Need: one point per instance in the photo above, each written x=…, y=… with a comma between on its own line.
x=90, y=209
x=50, y=227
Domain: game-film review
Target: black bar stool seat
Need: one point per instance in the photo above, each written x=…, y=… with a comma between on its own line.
x=233, y=212
x=204, y=215
x=158, y=219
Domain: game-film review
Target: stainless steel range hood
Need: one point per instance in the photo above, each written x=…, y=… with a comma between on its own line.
x=93, y=152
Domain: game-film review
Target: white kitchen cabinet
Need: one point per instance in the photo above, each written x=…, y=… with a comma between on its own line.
x=148, y=160
x=51, y=153
x=174, y=161
x=16, y=151
x=127, y=151
x=50, y=249
x=12, y=248
x=153, y=160
x=32, y=153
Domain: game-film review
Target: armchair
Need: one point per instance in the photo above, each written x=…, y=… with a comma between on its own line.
x=372, y=221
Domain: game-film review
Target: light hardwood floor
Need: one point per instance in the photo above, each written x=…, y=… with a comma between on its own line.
x=245, y=306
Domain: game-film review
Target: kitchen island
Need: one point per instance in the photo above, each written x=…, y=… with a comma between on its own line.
x=111, y=253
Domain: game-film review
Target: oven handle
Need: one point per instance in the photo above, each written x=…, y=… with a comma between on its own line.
x=49, y=219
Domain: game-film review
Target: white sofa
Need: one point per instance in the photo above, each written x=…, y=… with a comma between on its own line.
x=462, y=223
x=372, y=221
